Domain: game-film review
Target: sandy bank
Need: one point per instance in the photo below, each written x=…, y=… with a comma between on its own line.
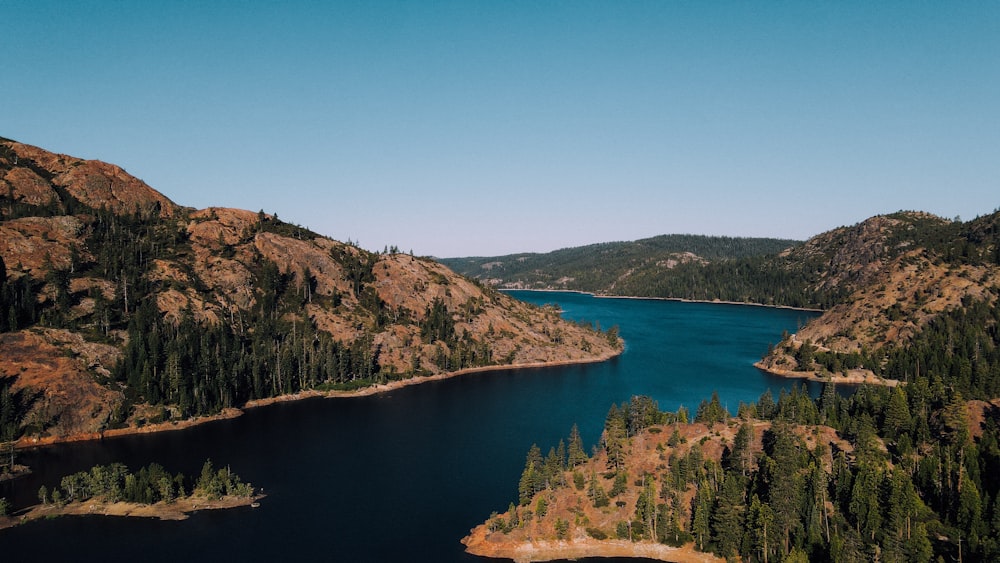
x=180, y=509
x=32, y=442
x=477, y=543
x=852, y=377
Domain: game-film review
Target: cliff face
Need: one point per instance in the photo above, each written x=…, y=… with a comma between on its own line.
x=85, y=248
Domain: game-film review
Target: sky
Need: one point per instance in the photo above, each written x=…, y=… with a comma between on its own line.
x=480, y=128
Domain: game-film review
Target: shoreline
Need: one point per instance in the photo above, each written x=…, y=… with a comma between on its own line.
x=855, y=377
x=179, y=509
x=676, y=299
x=418, y=379
x=580, y=547
x=26, y=443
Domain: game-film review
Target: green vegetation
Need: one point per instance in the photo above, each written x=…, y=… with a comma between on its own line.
x=151, y=484
x=913, y=485
x=818, y=274
x=597, y=267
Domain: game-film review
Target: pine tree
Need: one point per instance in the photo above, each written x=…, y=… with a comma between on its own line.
x=532, y=475
x=727, y=518
x=576, y=453
x=701, y=517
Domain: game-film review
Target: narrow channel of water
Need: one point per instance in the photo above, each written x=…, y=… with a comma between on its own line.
x=403, y=476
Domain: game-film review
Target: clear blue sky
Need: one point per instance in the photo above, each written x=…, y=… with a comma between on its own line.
x=493, y=127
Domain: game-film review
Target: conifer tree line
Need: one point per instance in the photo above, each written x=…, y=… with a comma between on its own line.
x=915, y=484
x=149, y=485
x=960, y=346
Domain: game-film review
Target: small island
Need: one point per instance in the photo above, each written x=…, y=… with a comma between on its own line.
x=151, y=492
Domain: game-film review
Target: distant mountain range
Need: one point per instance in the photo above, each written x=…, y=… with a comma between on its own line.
x=612, y=268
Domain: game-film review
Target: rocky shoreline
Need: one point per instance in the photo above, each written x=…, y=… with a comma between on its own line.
x=852, y=377
x=179, y=509
x=575, y=548
x=34, y=442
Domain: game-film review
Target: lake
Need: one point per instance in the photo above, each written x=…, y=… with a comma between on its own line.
x=403, y=476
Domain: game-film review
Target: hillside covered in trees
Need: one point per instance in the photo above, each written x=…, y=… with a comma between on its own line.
x=888, y=474
x=911, y=294
x=119, y=308
x=613, y=268
x=822, y=272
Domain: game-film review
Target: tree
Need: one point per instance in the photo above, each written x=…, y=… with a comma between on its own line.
x=864, y=506
x=741, y=457
x=701, y=516
x=969, y=512
x=532, y=477
x=614, y=438
x=576, y=453
x=897, y=414
x=727, y=518
x=711, y=412
x=562, y=528
x=597, y=493
x=759, y=518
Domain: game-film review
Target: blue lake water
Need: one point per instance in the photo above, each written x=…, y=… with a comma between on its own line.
x=403, y=476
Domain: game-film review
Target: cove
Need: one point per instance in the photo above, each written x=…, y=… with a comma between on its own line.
x=404, y=475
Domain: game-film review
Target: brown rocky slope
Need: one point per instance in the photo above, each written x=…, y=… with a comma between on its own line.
x=84, y=245
x=896, y=274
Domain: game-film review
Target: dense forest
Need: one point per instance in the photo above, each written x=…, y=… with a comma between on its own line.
x=822, y=272
x=610, y=267
x=907, y=479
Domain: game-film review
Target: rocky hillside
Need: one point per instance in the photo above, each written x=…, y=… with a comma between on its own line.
x=893, y=277
x=888, y=474
x=120, y=308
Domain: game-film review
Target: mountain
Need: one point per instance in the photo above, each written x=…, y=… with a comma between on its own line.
x=120, y=308
x=888, y=287
x=898, y=285
x=613, y=268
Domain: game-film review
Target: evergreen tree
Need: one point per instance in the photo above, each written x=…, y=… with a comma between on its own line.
x=728, y=516
x=576, y=453
x=532, y=477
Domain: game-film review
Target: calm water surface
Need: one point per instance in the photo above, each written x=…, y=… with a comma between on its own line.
x=403, y=476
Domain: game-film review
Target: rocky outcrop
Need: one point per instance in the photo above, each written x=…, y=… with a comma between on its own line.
x=35, y=175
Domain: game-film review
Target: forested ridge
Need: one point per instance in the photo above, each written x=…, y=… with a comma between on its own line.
x=818, y=273
x=119, y=308
x=612, y=267
x=887, y=474
x=915, y=294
